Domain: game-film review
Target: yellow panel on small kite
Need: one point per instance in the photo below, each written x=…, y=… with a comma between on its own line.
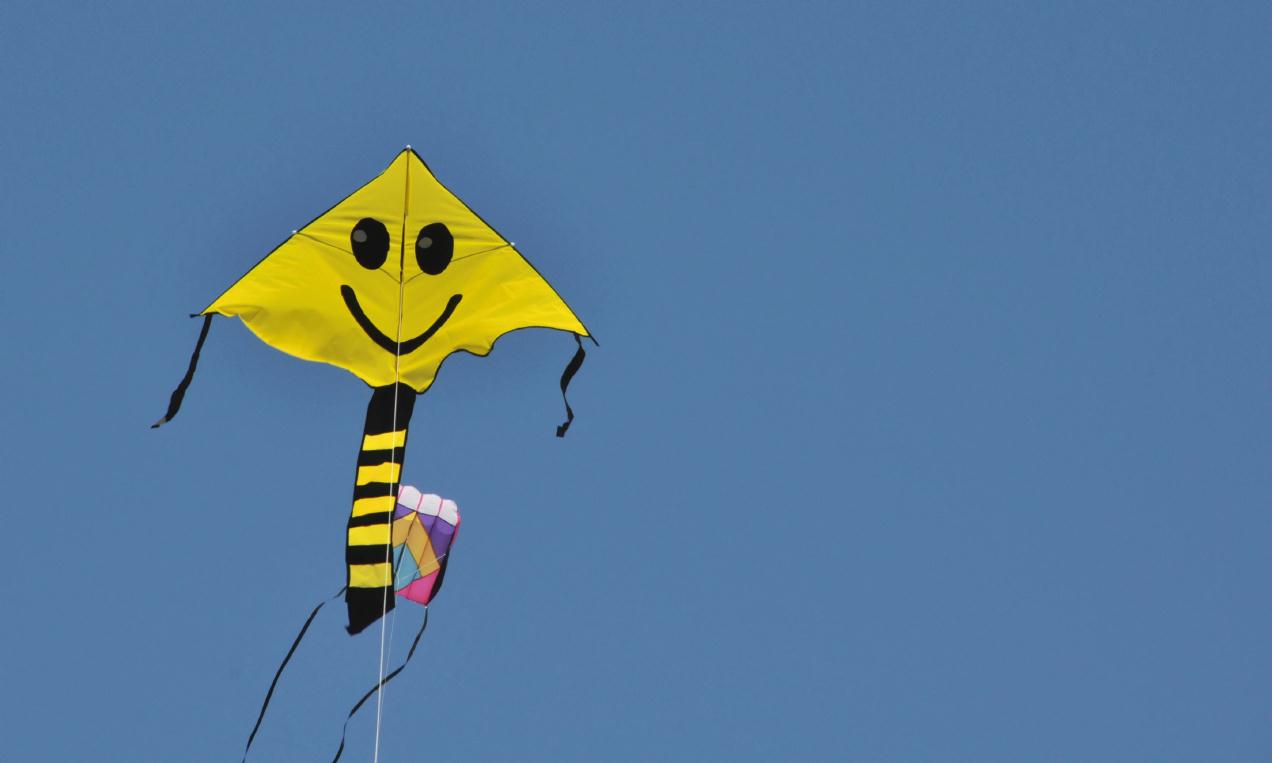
x=391, y=280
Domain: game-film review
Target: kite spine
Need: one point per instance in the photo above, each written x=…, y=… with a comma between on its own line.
x=370, y=533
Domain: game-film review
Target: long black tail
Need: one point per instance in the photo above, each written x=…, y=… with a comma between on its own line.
x=369, y=594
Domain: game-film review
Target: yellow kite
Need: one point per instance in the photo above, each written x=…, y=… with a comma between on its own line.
x=387, y=284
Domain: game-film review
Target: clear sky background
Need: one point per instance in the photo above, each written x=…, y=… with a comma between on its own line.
x=930, y=420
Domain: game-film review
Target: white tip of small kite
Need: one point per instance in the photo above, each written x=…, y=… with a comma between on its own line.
x=295, y=232
x=408, y=146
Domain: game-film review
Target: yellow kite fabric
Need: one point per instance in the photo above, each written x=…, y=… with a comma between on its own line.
x=391, y=280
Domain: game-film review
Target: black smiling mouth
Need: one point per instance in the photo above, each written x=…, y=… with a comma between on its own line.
x=378, y=336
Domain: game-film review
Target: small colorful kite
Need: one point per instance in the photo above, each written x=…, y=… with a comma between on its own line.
x=424, y=527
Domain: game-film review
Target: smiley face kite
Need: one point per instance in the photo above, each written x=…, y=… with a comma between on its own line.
x=391, y=280
x=386, y=285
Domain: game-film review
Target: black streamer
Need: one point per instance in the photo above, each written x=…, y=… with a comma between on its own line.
x=178, y=394
x=345, y=729
x=575, y=364
x=279, y=673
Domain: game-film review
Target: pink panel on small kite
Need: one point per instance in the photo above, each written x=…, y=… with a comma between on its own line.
x=419, y=589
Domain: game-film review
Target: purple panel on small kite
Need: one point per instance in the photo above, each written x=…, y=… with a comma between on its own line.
x=441, y=535
x=428, y=521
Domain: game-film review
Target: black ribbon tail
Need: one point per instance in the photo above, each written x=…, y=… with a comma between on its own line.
x=371, y=693
x=178, y=394
x=576, y=363
x=279, y=673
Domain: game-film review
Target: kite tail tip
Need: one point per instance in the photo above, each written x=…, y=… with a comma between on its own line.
x=575, y=363
x=178, y=394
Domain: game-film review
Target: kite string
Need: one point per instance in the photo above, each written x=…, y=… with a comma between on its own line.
x=397, y=563
x=397, y=389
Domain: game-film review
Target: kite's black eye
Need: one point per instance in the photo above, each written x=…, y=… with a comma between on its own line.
x=370, y=241
x=434, y=248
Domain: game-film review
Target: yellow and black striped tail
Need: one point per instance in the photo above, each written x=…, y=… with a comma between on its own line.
x=370, y=565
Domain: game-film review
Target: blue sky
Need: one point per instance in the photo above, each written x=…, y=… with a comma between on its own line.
x=930, y=419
